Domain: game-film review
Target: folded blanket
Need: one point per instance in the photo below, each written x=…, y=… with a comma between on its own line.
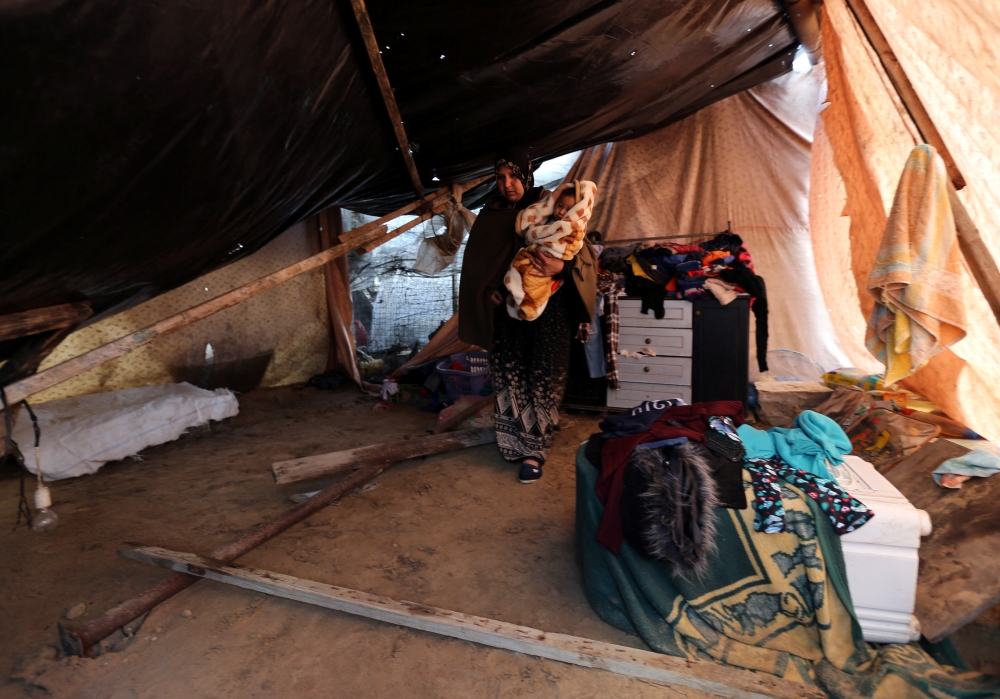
x=916, y=280
x=563, y=239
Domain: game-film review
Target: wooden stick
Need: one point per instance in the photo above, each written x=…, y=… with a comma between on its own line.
x=124, y=345
x=704, y=676
x=457, y=418
x=368, y=247
x=977, y=254
x=428, y=201
x=76, y=642
x=336, y=462
x=374, y=55
x=14, y=325
x=904, y=88
x=402, y=211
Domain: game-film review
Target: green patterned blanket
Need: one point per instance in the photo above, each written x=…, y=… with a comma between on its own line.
x=775, y=603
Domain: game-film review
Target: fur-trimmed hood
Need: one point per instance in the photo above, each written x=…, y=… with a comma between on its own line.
x=668, y=506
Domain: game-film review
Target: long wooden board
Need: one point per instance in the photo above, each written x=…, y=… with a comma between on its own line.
x=959, y=576
x=382, y=78
x=377, y=454
x=701, y=675
x=14, y=325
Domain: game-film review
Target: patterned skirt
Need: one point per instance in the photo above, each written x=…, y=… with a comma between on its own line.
x=529, y=365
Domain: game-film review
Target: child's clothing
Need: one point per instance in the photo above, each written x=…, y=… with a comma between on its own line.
x=561, y=239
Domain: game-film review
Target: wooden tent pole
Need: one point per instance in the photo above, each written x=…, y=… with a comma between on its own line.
x=374, y=55
x=904, y=88
x=977, y=255
x=15, y=325
x=802, y=14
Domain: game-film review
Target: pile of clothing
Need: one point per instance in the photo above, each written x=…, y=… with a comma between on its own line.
x=665, y=468
x=721, y=267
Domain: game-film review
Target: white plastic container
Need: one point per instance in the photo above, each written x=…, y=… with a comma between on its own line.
x=881, y=556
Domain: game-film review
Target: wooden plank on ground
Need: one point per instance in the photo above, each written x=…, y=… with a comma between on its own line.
x=959, y=575
x=468, y=411
x=350, y=459
x=705, y=676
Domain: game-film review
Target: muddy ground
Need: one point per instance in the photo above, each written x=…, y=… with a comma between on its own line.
x=455, y=531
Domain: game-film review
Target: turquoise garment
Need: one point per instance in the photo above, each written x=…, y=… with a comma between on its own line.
x=758, y=443
x=810, y=443
x=978, y=462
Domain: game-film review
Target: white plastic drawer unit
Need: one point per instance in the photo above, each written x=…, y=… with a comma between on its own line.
x=881, y=556
x=666, y=375
x=632, y=394
x=665, y=342
x=675, y=371
x=676, y=314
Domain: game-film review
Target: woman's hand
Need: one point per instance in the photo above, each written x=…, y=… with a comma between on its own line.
x=543, y=265
x=496, y=298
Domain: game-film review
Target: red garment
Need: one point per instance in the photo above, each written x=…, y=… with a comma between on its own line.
x=616, y=453
x=682, y=249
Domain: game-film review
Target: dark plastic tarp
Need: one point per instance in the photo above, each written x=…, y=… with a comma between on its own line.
x=145, y=142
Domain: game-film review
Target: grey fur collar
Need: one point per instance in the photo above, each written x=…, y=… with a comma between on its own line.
x=680, y=502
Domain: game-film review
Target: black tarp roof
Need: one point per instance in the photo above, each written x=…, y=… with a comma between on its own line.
x=146, y=142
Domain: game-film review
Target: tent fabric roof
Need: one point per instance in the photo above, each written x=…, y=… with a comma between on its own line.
x=146, y=143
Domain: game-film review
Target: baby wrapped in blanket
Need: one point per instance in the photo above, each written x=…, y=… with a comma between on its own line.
x=556, y=226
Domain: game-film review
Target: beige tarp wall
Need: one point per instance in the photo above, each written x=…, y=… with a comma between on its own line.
x=746, y=160
x=947, y=49
x=285, y=328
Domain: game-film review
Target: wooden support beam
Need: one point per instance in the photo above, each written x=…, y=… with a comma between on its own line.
x=375, y=56
x=433, y=202
x=456, y=419
x=368, y=247
x=77, y=641
x=336, y=462
x=14, y=325
x=802, y=14
x=402, y=211
x=704, y=676
x=977, y=254
x=909, y=97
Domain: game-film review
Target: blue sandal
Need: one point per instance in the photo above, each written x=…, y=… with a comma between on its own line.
x=529, y=473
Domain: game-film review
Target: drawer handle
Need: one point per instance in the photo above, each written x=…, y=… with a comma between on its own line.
x=648, y=341
x=646, y=369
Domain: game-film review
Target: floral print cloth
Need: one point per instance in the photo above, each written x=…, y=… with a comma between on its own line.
x=846, y=513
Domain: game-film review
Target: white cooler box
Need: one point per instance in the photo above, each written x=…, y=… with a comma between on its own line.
x=881, y=556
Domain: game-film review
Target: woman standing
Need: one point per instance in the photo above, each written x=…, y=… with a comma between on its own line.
x=528, y=359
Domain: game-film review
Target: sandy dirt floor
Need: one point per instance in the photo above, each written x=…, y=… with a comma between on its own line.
x=455, y=531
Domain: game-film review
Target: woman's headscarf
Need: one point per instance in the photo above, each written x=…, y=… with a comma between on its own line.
x=516, y=158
